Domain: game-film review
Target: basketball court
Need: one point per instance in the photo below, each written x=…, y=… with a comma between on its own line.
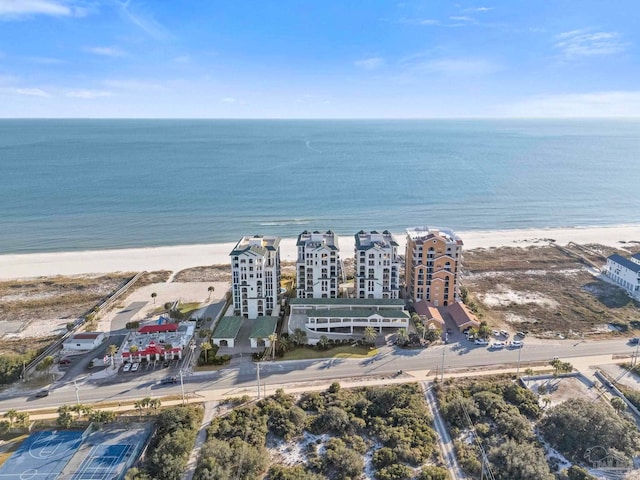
x=42, y=456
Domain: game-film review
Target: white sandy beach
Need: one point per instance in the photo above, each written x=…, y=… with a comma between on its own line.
x=179, y=257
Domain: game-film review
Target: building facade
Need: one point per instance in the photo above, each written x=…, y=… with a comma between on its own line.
x=318, y=268
x=432, y=264
x=376, y=265
x=625, y=272
x=255, y=270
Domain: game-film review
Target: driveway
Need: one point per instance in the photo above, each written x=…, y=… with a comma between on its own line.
x=124, y=316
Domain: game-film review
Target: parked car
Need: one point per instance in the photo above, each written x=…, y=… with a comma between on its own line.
x=135, y=367
x=64, y=361
x=497, y=345
x=126, y=367
x=516, y=344
x=42, y=394
x=521, y=334
x=504, y=333
x=634, y=341
x=169, y=380
x=496, y=333
x=480, y=341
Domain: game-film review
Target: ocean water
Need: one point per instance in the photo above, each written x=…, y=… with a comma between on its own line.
x=94, y=184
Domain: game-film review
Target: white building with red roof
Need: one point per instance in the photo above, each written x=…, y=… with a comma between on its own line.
x=165, y=341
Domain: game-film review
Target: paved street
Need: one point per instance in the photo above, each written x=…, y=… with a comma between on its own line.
x=242, y=376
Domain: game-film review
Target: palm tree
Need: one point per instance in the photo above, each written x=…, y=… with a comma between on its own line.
x=370, y=335
x=402, y=336
x=205, y=347
x=299, y=336
x=323, y=342
x=11, y=415
x=420, y=328
x=284, y=345
x=272, y=345
x=154, y=295
x=210, y=290
x=111, y=351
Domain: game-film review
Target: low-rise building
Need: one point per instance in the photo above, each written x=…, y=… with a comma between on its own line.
x=263, y=328
x=83, y=341
x=625, y=272
x=376, y=265
x=226, y=331
x=165, y=341
x=345, y=318
x=462, y=316
x=429, y=315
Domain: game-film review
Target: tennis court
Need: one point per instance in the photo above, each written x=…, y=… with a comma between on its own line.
x=104, y=462
x=42, y=456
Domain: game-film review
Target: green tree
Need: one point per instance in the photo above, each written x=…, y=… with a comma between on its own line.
x=134, y=325
x=70, y=326
x=618, y=404
x=299, y=337
x=102, y=416
x=433, y=335
x=370, y=335
x=111, y=351
x=205, y=347
x=560, y=367
x=65, y=418
x=431, y=472
x=484, y=331
x=154, y=295
x=421, y=329
x=402, y=336
x=11, y=416
x=578, y=473
x=323, y=342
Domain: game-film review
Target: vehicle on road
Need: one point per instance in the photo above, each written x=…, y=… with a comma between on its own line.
x=135, y=367
x=516, y=344
x=167, y=380
x=42, y=394
x=497, y=345
x=480, y=341
x=126, y=367
x=634, y=341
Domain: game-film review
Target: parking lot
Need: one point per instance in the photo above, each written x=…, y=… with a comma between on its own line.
x=143, y=367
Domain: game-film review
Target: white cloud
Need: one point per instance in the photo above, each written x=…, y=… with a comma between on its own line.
x=32, y=92
x=457, y=67
x=107, y=51
x=228, y=100
x=16, y=9
x=146, y=22
x=370, y=63
x=583, y=43
x=428, y=22
x=463, y=19
x=478, y=9
x=594, y=104
x=133, y=84
x=88, y=94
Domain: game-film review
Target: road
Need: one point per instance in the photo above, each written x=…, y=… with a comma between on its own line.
x=241, y=376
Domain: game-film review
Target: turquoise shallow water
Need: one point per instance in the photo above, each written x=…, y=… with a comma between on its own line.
x=89, y=184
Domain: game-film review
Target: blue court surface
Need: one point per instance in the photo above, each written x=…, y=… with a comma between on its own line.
x=42, y=456
x=104, y=462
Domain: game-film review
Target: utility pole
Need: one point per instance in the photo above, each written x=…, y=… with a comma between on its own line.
x=75, y=384
x=258, y=374
x=518, y=369
x=636, y=359
x=182, y=386
x=442, y=373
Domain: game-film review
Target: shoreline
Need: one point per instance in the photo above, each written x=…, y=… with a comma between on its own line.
x=179, y=257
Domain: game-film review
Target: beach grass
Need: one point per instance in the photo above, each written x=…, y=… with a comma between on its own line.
x=343, y=351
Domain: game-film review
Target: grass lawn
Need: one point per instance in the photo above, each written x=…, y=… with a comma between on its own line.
x=187, y=308
x=343, y=351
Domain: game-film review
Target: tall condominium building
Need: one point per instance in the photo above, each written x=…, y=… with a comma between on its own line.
x=318, y=269
x=255, y=268
x=432, y=264
x=376, y=267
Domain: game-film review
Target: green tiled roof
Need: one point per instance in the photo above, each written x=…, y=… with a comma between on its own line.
x=264, y=326
x=358, y=312
x=346, y=301
x=227, y=327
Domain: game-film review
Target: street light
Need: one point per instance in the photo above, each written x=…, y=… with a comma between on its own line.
x=258, y=374
x=442, y=373
x=519, y=352
x=75, y=384
x=635, y=362
x=182, y=386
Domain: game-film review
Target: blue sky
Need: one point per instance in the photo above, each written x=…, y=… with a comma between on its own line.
x=319, y=59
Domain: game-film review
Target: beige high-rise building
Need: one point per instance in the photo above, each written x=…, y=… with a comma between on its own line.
x=318, y=268
x=432, y=264
x=255, y=269
x=376, y=266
